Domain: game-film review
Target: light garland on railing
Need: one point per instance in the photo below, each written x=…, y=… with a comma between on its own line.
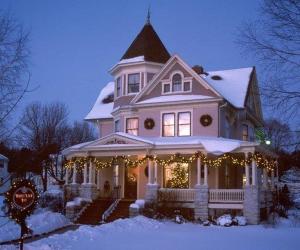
x=175, y=158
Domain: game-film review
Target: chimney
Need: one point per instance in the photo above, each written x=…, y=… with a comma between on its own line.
x=198, y=69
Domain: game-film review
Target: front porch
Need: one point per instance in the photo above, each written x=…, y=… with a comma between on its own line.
x=202, y=181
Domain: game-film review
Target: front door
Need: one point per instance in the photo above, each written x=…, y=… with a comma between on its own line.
x=130, y=183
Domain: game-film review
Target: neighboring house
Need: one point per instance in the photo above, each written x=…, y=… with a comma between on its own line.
x=164, y=129
x=4, y=174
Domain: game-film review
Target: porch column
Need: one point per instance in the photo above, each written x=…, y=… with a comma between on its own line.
x=205, y=174
x=254, y=172
x=198, y=172
x=116, y=175
x=74, y=174
x=84, y=173
x=155, y=172
x=67, y=176
x=94, y=174
x=272, y=178
x=247, y=173
x=149, y=163
x=98, y=179
x=90, y=173
x=265, y=178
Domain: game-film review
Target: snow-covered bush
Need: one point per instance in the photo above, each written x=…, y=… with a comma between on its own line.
x=225, y=220
x=52, y=199
x=239, y=221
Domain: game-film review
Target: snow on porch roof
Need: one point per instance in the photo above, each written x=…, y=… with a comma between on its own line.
x=100, y=109
x=232, y=84
x=213, y=145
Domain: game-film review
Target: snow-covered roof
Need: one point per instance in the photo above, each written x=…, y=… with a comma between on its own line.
x=174, y=98
x=232, y=84
x=2, y=157
x=100, y=109
x=132, y=60
x=214, y=145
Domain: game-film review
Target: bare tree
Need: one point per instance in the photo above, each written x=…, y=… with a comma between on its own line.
x=274, y=39
x=81, y=132
x=44, y=129
x=280, y=135
x=14, y=75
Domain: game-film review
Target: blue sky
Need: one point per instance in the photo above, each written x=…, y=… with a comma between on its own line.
x=74, y=43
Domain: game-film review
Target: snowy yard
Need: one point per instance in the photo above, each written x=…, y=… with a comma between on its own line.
x=143, y=233
x=40, y=222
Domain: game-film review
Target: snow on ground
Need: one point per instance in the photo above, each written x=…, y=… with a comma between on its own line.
x=143, y=233
x=41, y=221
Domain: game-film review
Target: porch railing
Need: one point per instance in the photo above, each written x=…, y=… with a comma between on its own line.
x=226, y=195
x=176, y=195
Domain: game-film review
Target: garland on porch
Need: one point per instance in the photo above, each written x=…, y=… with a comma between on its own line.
x=261, y=161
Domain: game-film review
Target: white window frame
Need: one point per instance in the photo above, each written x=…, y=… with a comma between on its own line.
x=169, y=81
x=176, y=121
x=115, y=121
x=125, y=123
x=140, y=84
x=121, y=89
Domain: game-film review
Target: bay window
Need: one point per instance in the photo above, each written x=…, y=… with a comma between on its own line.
x=118, y=87
x=132, y=126
x=133, y=83
x=168, y=121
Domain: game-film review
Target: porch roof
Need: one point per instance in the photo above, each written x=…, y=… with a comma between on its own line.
x=120, y=143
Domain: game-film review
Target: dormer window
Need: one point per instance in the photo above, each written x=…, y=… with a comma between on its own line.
x=133, y=83
x=176, y=83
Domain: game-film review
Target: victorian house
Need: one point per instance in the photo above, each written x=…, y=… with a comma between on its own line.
x=175, y=135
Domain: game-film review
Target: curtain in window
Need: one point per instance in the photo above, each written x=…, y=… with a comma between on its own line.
x=132, y=125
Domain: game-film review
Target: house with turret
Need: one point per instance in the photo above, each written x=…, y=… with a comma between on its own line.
x=175, y=136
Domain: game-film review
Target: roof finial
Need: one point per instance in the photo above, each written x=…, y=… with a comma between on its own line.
x=148, y=15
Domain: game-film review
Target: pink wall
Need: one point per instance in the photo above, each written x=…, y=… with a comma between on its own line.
x=106, y=128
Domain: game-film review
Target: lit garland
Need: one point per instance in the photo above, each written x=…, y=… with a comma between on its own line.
x=19, y=214
x=175, y=158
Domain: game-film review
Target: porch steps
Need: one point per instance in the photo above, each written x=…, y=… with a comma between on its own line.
x=121, y=211
x=93, y=213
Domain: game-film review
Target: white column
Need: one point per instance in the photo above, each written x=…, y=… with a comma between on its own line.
x=265, y=176
x=198, y=171
x=247, y=173
x=155, y=172
x=90, y=173
x=254, y=172
x=84, y=173
x=74, y=174
x=67, y=176
x=149, y=163
x=94, y=174
x=205, y=174
x=98, y=179
x=116, y=175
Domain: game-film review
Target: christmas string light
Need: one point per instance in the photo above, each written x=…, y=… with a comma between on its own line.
x=261, y=161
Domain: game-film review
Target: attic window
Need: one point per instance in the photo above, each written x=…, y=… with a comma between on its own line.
x=216, y=77
x=108, y=99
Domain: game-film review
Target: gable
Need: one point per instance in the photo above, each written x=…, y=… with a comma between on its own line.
x=175, y=64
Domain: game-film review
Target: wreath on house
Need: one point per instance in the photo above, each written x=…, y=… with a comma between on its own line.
x=149, y=123
x=206, y=120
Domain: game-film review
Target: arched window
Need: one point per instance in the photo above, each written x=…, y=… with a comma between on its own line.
x=176, y=83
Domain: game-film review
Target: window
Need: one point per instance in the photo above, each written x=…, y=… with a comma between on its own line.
x=133, y=83
x=227, y=128
x=118, y=87
x=1, y=164
x=132, y=126
x=176, y=83
x=184, y=124
x=167, y=88
x=168, y=122
x=245, y=132
x=117, y=126
x=187, y=86
x=176, y=175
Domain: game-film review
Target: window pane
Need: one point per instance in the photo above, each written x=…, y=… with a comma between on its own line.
x=133, y=83
x=119, y=86
x=245, y=132
x=169, y=124
x=166, y=88
x=176, y=83
x=117, y=126
x=132, y=125
x=184, y=124
x=187, y=86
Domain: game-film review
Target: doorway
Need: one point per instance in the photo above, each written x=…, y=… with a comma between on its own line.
x=131, y=176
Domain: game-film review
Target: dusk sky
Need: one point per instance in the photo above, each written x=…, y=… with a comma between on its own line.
x=75, y=43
